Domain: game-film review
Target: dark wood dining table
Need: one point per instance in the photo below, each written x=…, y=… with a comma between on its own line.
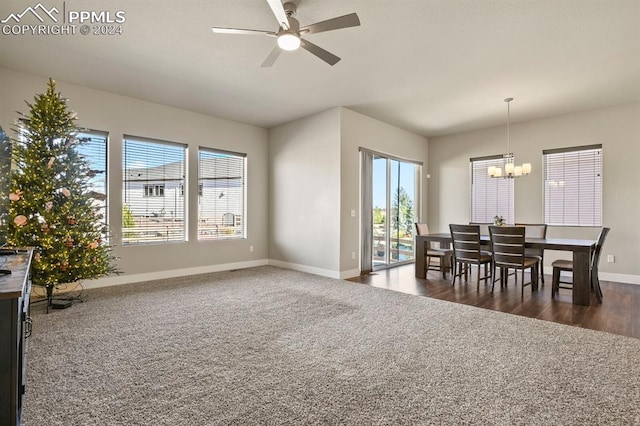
x=581, y=249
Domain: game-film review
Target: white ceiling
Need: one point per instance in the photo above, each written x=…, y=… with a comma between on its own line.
x=430, y=66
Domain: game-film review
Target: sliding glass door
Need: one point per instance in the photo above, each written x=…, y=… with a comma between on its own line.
x=395, y=198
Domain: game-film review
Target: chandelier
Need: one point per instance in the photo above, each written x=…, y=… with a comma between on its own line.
x=510, y=169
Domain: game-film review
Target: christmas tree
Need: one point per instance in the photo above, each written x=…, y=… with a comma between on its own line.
x=53, y=208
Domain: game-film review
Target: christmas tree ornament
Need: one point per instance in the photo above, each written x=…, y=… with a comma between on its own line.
x=71, y=220
x=69, y=242
x=50, y=163
x=48, y=206
x=15, y=196
x=20, y=220
x=65, y=192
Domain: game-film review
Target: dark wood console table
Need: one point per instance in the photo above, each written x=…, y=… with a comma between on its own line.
x=581, y=250
x=15, y=327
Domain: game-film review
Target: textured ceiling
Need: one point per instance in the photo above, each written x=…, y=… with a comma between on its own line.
x=430, y=66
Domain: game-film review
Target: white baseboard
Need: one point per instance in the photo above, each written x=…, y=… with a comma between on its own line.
x=341, y=275
x=608, y=276
x=173, y=273
x=349, y=274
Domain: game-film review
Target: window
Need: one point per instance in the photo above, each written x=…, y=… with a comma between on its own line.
x=221, y=190
x=157, y=190
x=93, y=147
x=153, y=179
x=573, y=186
x=490, y=197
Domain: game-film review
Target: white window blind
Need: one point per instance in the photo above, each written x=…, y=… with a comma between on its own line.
x=490, y=197
x=153, y=177
x=573, y=186
x=221, y=198
x=93, y=147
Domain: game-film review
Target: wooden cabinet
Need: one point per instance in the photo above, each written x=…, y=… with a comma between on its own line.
x=15, y=327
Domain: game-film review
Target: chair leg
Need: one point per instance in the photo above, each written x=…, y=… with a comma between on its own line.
x=493, y=276
x=542, y=269
x=521, y=285
x=595, y=284
x=454, y=271
x=555, y=282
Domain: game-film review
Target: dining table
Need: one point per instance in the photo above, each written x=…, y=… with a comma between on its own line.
x=581, y=250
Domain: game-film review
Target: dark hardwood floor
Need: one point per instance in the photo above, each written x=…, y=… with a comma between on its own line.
x=619, y=312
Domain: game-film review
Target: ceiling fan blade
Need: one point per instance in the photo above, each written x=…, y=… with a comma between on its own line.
x=275, y=53
x=219, y=30
x=328, y=57
x=278, y=11
x=346, y=21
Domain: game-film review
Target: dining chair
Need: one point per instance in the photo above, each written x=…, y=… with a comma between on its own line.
x=467, y=252
x=484, y=230
x=443, y=255
x=508, y=252
x=535, y=230
x=567, y=265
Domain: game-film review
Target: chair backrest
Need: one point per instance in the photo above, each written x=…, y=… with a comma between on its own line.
x=466, y=242
x=534, y=230
x=484, y=227
x=228, y=219
x=421, y=228
x=596, y=253
x=507, y=244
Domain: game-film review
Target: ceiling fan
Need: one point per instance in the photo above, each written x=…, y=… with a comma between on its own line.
x=289, y=34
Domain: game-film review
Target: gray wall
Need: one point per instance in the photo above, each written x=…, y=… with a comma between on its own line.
x=120, y=115
x=315, y=184
x=616, y=128
x=304, y=191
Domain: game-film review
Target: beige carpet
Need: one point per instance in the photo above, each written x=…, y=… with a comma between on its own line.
x=271, y=346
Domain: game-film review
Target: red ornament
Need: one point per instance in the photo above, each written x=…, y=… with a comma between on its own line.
x=71, y=220
x=63, y=266
x=69, y=242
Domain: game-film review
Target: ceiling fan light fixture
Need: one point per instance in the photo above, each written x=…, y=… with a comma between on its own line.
x=288, y=41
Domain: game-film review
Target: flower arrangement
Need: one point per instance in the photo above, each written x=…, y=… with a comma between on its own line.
x=499, y=221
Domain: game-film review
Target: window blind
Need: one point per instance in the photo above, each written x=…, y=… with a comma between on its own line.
x=221, y=195
x=573, y=186
x=153, y=208
x=490, y=197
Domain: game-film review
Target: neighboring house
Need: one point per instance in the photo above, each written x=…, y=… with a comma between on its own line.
x=157, y=194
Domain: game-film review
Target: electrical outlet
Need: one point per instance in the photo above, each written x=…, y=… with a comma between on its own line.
x=250, y=249
x=611, y=258
x=353, y=255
